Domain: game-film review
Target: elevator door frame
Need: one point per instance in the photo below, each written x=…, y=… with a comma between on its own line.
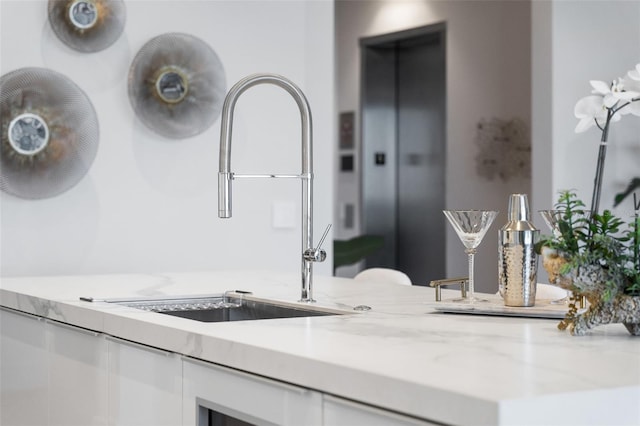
x=379, y=213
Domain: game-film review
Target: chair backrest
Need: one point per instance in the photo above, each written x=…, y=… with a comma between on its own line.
x=383, y=275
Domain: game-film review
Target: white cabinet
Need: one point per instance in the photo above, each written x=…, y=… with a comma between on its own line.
x=341, y=412
x=51, y=373
x=56, y=374
x=77, y=376
x=23, y=369
x=145, y=385
x=246, y=397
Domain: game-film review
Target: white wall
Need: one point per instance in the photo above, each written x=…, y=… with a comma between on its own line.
x=488, y=75
x=149, y=204
x=602, y=44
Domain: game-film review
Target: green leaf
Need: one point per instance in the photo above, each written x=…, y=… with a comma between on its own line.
x=621, y=196
x=347, y=252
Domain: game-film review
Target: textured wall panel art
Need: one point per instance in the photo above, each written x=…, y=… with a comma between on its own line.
x=504, y=149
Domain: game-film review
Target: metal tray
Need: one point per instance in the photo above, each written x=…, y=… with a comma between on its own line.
x=543, y=308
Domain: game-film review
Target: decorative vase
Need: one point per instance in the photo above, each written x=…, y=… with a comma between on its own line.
x=589, y=281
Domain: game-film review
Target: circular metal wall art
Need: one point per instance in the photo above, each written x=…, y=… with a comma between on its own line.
x=49, y=133
x=87, y=25
x=177, y=85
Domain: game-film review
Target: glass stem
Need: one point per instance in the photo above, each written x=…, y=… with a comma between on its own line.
x=471, y=253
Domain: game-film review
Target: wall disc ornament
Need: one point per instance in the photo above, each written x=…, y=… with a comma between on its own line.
x=49, y=133
x=87, y=25
x=177, y=85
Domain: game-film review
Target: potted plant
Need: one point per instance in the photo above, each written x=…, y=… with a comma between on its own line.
x=596, y=255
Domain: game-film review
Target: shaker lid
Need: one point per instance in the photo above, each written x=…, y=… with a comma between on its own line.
x=518, y=207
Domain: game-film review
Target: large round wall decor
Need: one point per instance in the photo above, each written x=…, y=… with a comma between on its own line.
x=49, y=133
x=87, y=25
x=177, y=85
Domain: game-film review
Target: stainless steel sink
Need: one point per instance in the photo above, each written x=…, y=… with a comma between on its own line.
x=224, y=307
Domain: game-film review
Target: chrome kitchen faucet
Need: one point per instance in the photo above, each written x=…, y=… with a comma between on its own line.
x=225, y=176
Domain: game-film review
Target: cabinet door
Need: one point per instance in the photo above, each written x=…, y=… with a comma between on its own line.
x=145, y=385
x=342, y=412
x=77, y=376
x=251, y=399
x=23, y=369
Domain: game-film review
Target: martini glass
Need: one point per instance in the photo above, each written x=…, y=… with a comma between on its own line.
x=471, y=226
x=553, y=218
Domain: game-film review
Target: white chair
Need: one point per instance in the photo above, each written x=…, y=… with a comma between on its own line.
x=383, y=275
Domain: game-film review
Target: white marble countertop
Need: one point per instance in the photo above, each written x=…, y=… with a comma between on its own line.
x=401, y=355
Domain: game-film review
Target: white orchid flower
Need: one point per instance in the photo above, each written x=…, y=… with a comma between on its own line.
x=612, y=93
x=635, y=74
x=632, y=108
x=589, y=110
x=632, y=85
x=609, y=101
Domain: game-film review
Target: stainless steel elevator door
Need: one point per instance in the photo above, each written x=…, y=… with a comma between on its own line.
x=421, y=161
x=403, y=118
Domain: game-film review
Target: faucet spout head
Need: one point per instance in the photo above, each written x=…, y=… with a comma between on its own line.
x=224, y=194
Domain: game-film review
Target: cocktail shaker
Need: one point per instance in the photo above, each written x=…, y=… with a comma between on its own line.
x=517, y=259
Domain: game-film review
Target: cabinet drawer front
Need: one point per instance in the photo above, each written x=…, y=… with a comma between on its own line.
x=23, y=369
x=77, y=376
x=250, y=398
x=342, y=412
x=145, y=385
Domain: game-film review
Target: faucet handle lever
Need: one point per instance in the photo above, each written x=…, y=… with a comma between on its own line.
x=317, y=254
x=324, y=235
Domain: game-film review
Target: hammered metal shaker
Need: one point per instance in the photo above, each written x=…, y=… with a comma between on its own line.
x=517, y=259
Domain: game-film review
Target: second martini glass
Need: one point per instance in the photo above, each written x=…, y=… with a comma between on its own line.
x=471, y=226
x=553, y=218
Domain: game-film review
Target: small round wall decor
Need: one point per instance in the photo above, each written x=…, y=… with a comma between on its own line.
x=87, y=25
x=177, y=85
